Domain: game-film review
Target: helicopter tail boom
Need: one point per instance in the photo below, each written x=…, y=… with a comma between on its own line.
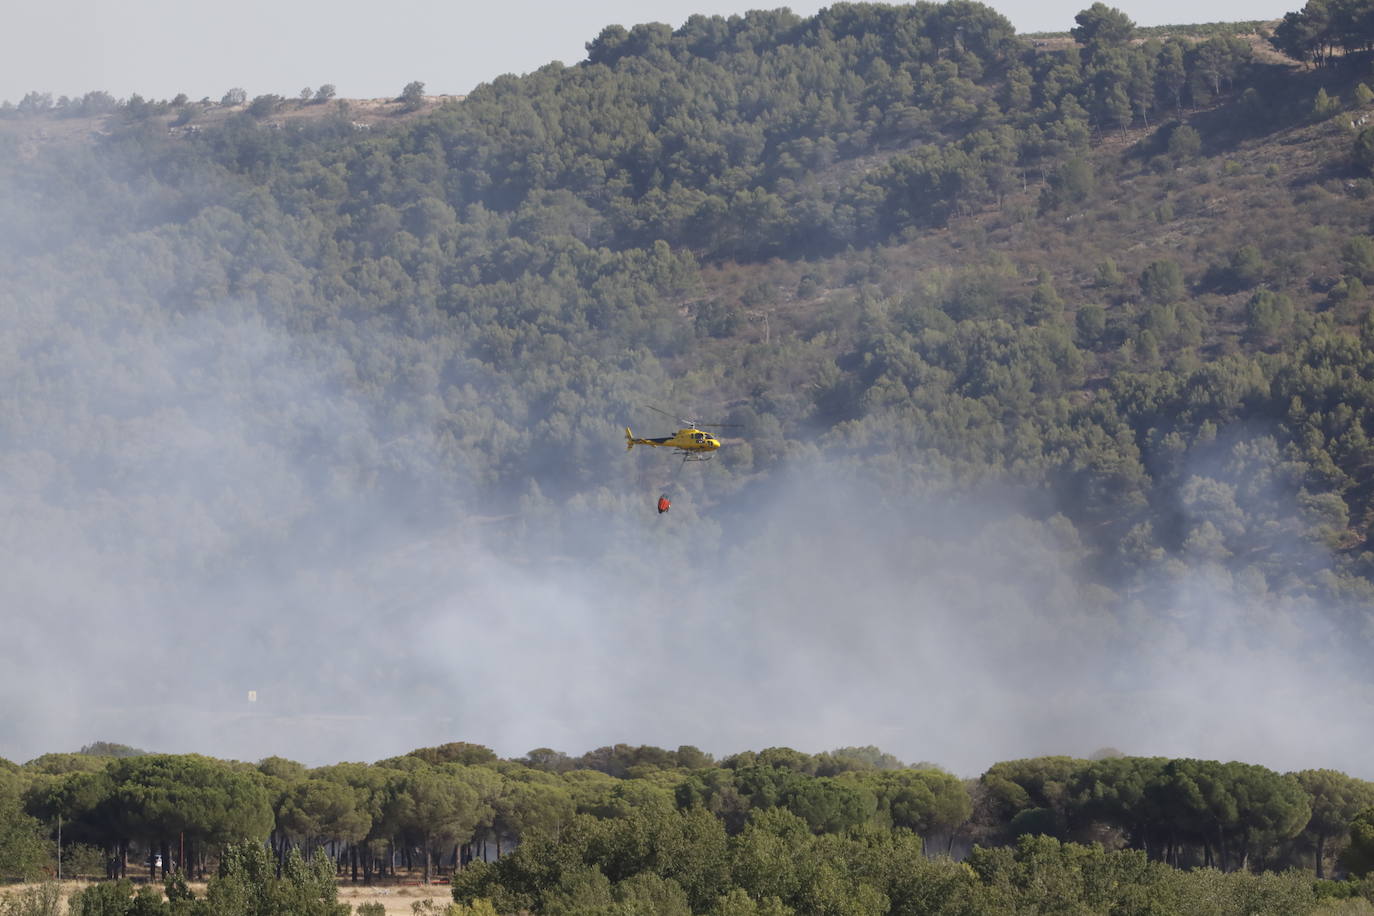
x=631, y=441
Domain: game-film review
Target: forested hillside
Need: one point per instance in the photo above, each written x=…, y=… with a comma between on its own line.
x=1051, y=361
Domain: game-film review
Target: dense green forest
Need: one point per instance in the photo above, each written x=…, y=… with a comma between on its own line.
x=644, y=829
x=1051, y=363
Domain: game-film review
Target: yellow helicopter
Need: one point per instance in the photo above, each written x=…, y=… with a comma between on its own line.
x=692, y=442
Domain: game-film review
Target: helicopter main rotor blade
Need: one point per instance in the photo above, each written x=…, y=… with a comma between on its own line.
x=670, y=416
x=695, y=424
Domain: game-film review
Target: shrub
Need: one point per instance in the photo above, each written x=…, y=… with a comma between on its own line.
x=40, y=900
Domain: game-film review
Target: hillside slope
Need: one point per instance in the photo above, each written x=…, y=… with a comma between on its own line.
x=1054, y=352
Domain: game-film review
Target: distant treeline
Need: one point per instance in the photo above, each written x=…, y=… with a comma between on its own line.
x=777, y=829
x=746, y=137
x=1321, y=30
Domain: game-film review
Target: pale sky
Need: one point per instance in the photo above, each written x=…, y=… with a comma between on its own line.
x=158, y=48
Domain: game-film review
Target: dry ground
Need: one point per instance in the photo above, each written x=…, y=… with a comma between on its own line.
x=398, y=899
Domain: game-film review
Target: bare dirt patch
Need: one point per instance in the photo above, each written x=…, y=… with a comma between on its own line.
x=396, y=898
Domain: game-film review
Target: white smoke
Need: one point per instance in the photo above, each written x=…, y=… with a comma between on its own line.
x=193, y=507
